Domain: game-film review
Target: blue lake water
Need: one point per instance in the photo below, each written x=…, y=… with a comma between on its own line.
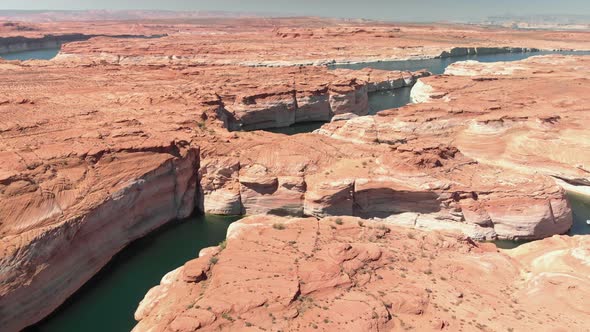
x=384, y=100
x=46, y=54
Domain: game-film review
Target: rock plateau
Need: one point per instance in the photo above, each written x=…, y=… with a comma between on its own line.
x=349, y=274
x=116, y=137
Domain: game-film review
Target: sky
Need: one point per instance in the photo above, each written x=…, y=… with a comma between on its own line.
x=372, y=9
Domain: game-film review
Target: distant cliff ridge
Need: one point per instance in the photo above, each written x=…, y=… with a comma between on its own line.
x=108, y=15
x=563, y=22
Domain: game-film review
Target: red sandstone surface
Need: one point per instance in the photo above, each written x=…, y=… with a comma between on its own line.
x=349, y=274
x=115, y=138
x=270, y=42
x=529, y=116
x=39, y=30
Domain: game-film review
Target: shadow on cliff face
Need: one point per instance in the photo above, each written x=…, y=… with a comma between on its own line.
x=378, y=101
x=108, y=301
x=383, y=202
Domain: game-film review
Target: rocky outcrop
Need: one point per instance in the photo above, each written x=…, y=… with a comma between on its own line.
x=317, y=95
x=542, y=131
x=305, y=42
x=99, y=150
x=556, y=266
x=82, y=214
x=75, y=192
x=532, y=129
x=363, y=170
x=22, y=44
x=349, y=97
x=220, y=187
x=421, y=93
x=334, y=273
x=463, y=51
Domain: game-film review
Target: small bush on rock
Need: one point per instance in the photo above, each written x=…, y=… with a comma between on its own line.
x=278, y=226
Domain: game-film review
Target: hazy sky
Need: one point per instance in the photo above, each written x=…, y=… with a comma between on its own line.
x=375, y=9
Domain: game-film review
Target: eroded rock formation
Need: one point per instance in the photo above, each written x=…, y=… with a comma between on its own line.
x=538, y=126
x=65, y=216
x=424, y=184
x=252, y=42
x=352, y=274
x=114, y=139
x=315, y=94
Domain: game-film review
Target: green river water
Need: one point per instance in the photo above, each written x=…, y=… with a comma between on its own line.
x=108, y=301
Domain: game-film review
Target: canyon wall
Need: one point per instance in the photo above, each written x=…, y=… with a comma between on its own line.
x=411, y=186
x=75, y=192
x=15, y=44
x=336, y=92
x=57, y=236
x=22, y=44
x=97, y=153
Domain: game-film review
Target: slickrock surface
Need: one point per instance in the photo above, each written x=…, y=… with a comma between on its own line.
x=349, y=274
x=280, y=42
x=119, y=149
x=532, y=121
x=421, y=183
x=535, y=114
x=98, y=148
x=79, y=180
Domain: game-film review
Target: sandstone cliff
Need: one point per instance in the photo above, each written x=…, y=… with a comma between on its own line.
x=65, y=216
x=418, y=184
x=115, y=138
